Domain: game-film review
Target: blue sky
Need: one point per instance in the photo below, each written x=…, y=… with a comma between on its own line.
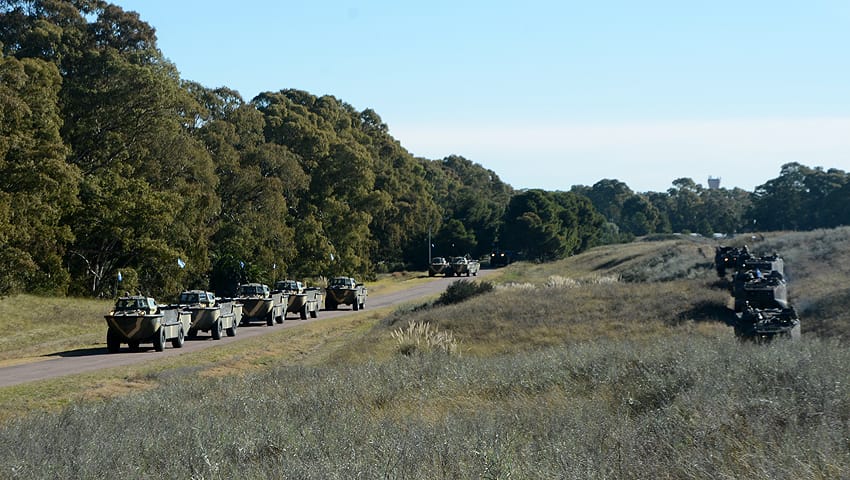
x=550, y=94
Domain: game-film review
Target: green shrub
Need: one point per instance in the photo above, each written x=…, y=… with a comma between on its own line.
x=462, y=290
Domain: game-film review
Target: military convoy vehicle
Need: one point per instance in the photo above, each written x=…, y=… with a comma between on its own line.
x=136, y=319
x=439, y=265
x=760, y=294
x=765, y=324
x=209, y=314
x=465, y=265
x=345, y=291
x=500, y=258
x=259, y=303
x=729, y=258
x=301, y=301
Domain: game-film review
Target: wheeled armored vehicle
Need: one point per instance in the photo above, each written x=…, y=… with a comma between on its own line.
x=345, y=291
x=209, y=314
x=136, y=319
x=301, y=301
x=261, y=304
x=439, y=266
x=465, y=265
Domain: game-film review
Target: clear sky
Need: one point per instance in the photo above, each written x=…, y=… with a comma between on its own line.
x=550, y=94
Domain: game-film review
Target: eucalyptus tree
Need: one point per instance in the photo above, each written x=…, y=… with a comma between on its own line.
x=147, y=187
x=37, y=186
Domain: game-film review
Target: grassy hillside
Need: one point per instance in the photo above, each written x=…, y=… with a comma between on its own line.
x=617, y=363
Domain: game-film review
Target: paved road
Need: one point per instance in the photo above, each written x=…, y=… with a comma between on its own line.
x=91, y=359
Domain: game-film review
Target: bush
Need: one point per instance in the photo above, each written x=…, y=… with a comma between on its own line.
x=462, y=290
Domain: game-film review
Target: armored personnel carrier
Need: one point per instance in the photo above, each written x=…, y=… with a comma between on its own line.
x=465, y=265
x=439, y=265
x=209, y=314
x=136, y=319
x=499, y=258
x=759, y=291
x=345, y=291
x=301, y=301
x=765, y=324
x=729, y=258
x=764, y=264
x=259, y=303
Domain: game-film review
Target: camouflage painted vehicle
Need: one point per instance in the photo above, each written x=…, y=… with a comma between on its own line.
x=465, y=265
x=439, y=265
x=259, y=303
x=209, y=314
x=765, y=324
x=759, y=291
x=302, y=301
x=136, y=319
x=345, y=291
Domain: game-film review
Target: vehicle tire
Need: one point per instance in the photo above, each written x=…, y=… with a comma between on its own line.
x=159, y=340
x=430, y=274
x=355, y=305
x=270, y=319
x=330, y=305
x=216, y=330
x=231, y=332
x=113, y=341
x=475, y=274
x=303, y=312
x=281, y=318
x=192, y=333
x=362, y=305
x=134, y=345
x=314, y=313
x=178, y=342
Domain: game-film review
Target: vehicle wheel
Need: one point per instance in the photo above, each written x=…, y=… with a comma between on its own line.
x=314, y=313
x=362, y=305
x=355, y=305
x=281, y=318
x=159, y=340
x=329, y=305
x=178, y=342
x=475, y=274
x=231, y=332
x=216, y=330
x=192, y=333
x=430, y=274
x=113, y=341
x=134, y=345
x=304, y=312
x=270, y=319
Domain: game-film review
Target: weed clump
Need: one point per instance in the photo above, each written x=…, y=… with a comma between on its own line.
x=420, y=337
x=462, y=290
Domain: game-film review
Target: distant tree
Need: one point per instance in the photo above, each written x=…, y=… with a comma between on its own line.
x=549, y=225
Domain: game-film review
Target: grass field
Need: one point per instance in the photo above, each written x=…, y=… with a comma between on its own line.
x=617, y=363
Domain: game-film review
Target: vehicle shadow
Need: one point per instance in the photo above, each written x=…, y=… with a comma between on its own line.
x=80, y=352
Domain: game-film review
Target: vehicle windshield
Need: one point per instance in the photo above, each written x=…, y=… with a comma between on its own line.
x=438, y=260
x=341, y=282
x=251, y=290
x=131, y=304
x=189, y=298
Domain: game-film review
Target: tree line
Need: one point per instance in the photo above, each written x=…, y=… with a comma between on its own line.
x=112, y=166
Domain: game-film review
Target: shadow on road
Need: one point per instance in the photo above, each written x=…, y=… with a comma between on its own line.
x=80, y=352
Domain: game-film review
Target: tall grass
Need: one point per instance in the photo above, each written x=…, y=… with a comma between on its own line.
x=680, y=406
